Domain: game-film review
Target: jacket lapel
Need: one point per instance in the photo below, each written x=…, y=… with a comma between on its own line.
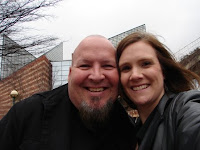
x=148, y=140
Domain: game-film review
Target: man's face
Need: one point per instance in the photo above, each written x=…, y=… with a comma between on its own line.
x=93, y=78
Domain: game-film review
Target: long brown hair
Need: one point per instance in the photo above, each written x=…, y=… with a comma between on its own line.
x=177, y=78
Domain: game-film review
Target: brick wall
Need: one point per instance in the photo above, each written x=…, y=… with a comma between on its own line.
x=32, y=78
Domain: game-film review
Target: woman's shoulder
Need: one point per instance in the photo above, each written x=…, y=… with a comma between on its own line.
x=185, y=114
x=188, y=96
x=185, y=103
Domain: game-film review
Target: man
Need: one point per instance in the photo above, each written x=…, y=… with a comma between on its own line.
x=83, y=114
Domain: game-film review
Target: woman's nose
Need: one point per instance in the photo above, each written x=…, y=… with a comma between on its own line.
x=136, y=74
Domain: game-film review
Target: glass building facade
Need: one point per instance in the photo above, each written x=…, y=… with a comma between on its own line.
x=60, y=71
x=117, y=38
x=13, y=57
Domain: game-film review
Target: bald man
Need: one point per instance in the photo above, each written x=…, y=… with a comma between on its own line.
x=81, y=115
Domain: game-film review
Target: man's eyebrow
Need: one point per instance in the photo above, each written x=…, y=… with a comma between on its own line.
x=109, y=61
x=83, y=61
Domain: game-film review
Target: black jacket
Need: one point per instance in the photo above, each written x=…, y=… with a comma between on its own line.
x=49, y=121
x=175, y=124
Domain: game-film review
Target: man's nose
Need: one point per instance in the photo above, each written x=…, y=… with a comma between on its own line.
x=96, y=74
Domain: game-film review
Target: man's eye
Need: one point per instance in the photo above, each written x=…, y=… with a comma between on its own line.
x=108, y=67
x=84, y=66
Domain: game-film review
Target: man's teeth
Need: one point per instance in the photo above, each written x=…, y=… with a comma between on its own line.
x=140, y=87
x=96, y=89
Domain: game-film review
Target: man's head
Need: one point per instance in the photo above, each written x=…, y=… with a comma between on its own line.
x=93, y=78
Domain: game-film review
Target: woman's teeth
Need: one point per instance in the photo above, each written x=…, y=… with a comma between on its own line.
x=139, y=87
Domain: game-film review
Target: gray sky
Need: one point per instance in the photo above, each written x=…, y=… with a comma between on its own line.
x=176, y=21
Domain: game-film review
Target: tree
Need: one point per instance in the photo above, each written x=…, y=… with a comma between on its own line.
x=13, y=14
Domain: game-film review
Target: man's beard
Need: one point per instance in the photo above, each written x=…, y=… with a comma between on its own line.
x=96, y=118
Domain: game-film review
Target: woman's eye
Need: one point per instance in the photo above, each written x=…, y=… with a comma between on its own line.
x=125, y=68
x=146, y=63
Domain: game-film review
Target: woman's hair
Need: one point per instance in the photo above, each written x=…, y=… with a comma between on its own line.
x=177, y=78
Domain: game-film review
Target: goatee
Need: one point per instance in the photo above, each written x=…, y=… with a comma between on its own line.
x=95, y=118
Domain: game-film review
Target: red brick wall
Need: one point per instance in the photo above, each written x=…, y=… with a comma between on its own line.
x=32, y=78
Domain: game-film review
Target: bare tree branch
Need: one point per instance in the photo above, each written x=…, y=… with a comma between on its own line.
x=13, y=13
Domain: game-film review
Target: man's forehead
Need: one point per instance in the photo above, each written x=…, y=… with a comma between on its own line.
x=102, y=57
x=94, y=41
x=90, y=60
x=93, y=45
x=96, y=44
x=94, y=49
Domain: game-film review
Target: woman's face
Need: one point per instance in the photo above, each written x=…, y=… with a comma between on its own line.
x=141, y=75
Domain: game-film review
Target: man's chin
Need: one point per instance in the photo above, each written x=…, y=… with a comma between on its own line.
x=95, y=117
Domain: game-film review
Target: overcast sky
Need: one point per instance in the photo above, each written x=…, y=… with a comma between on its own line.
x=177, y=21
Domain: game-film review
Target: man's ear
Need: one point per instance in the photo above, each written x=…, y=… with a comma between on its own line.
x=70, y=70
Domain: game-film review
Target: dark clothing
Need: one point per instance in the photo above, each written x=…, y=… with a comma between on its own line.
x=49, y=121
x=143, y=128
x=174, y=124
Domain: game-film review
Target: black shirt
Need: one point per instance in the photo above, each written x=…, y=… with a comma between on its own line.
x=142, y=128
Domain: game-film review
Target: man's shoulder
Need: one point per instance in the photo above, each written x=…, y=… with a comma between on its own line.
x=59, y=91
x=37, y=101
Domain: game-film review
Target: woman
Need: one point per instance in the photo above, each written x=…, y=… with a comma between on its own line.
x=161, y=90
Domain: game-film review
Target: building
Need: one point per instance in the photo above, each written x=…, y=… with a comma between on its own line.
x=13, y=57
x=22, y=72
x=117, y=38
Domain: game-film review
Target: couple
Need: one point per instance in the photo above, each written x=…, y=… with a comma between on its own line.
x=84, y=114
